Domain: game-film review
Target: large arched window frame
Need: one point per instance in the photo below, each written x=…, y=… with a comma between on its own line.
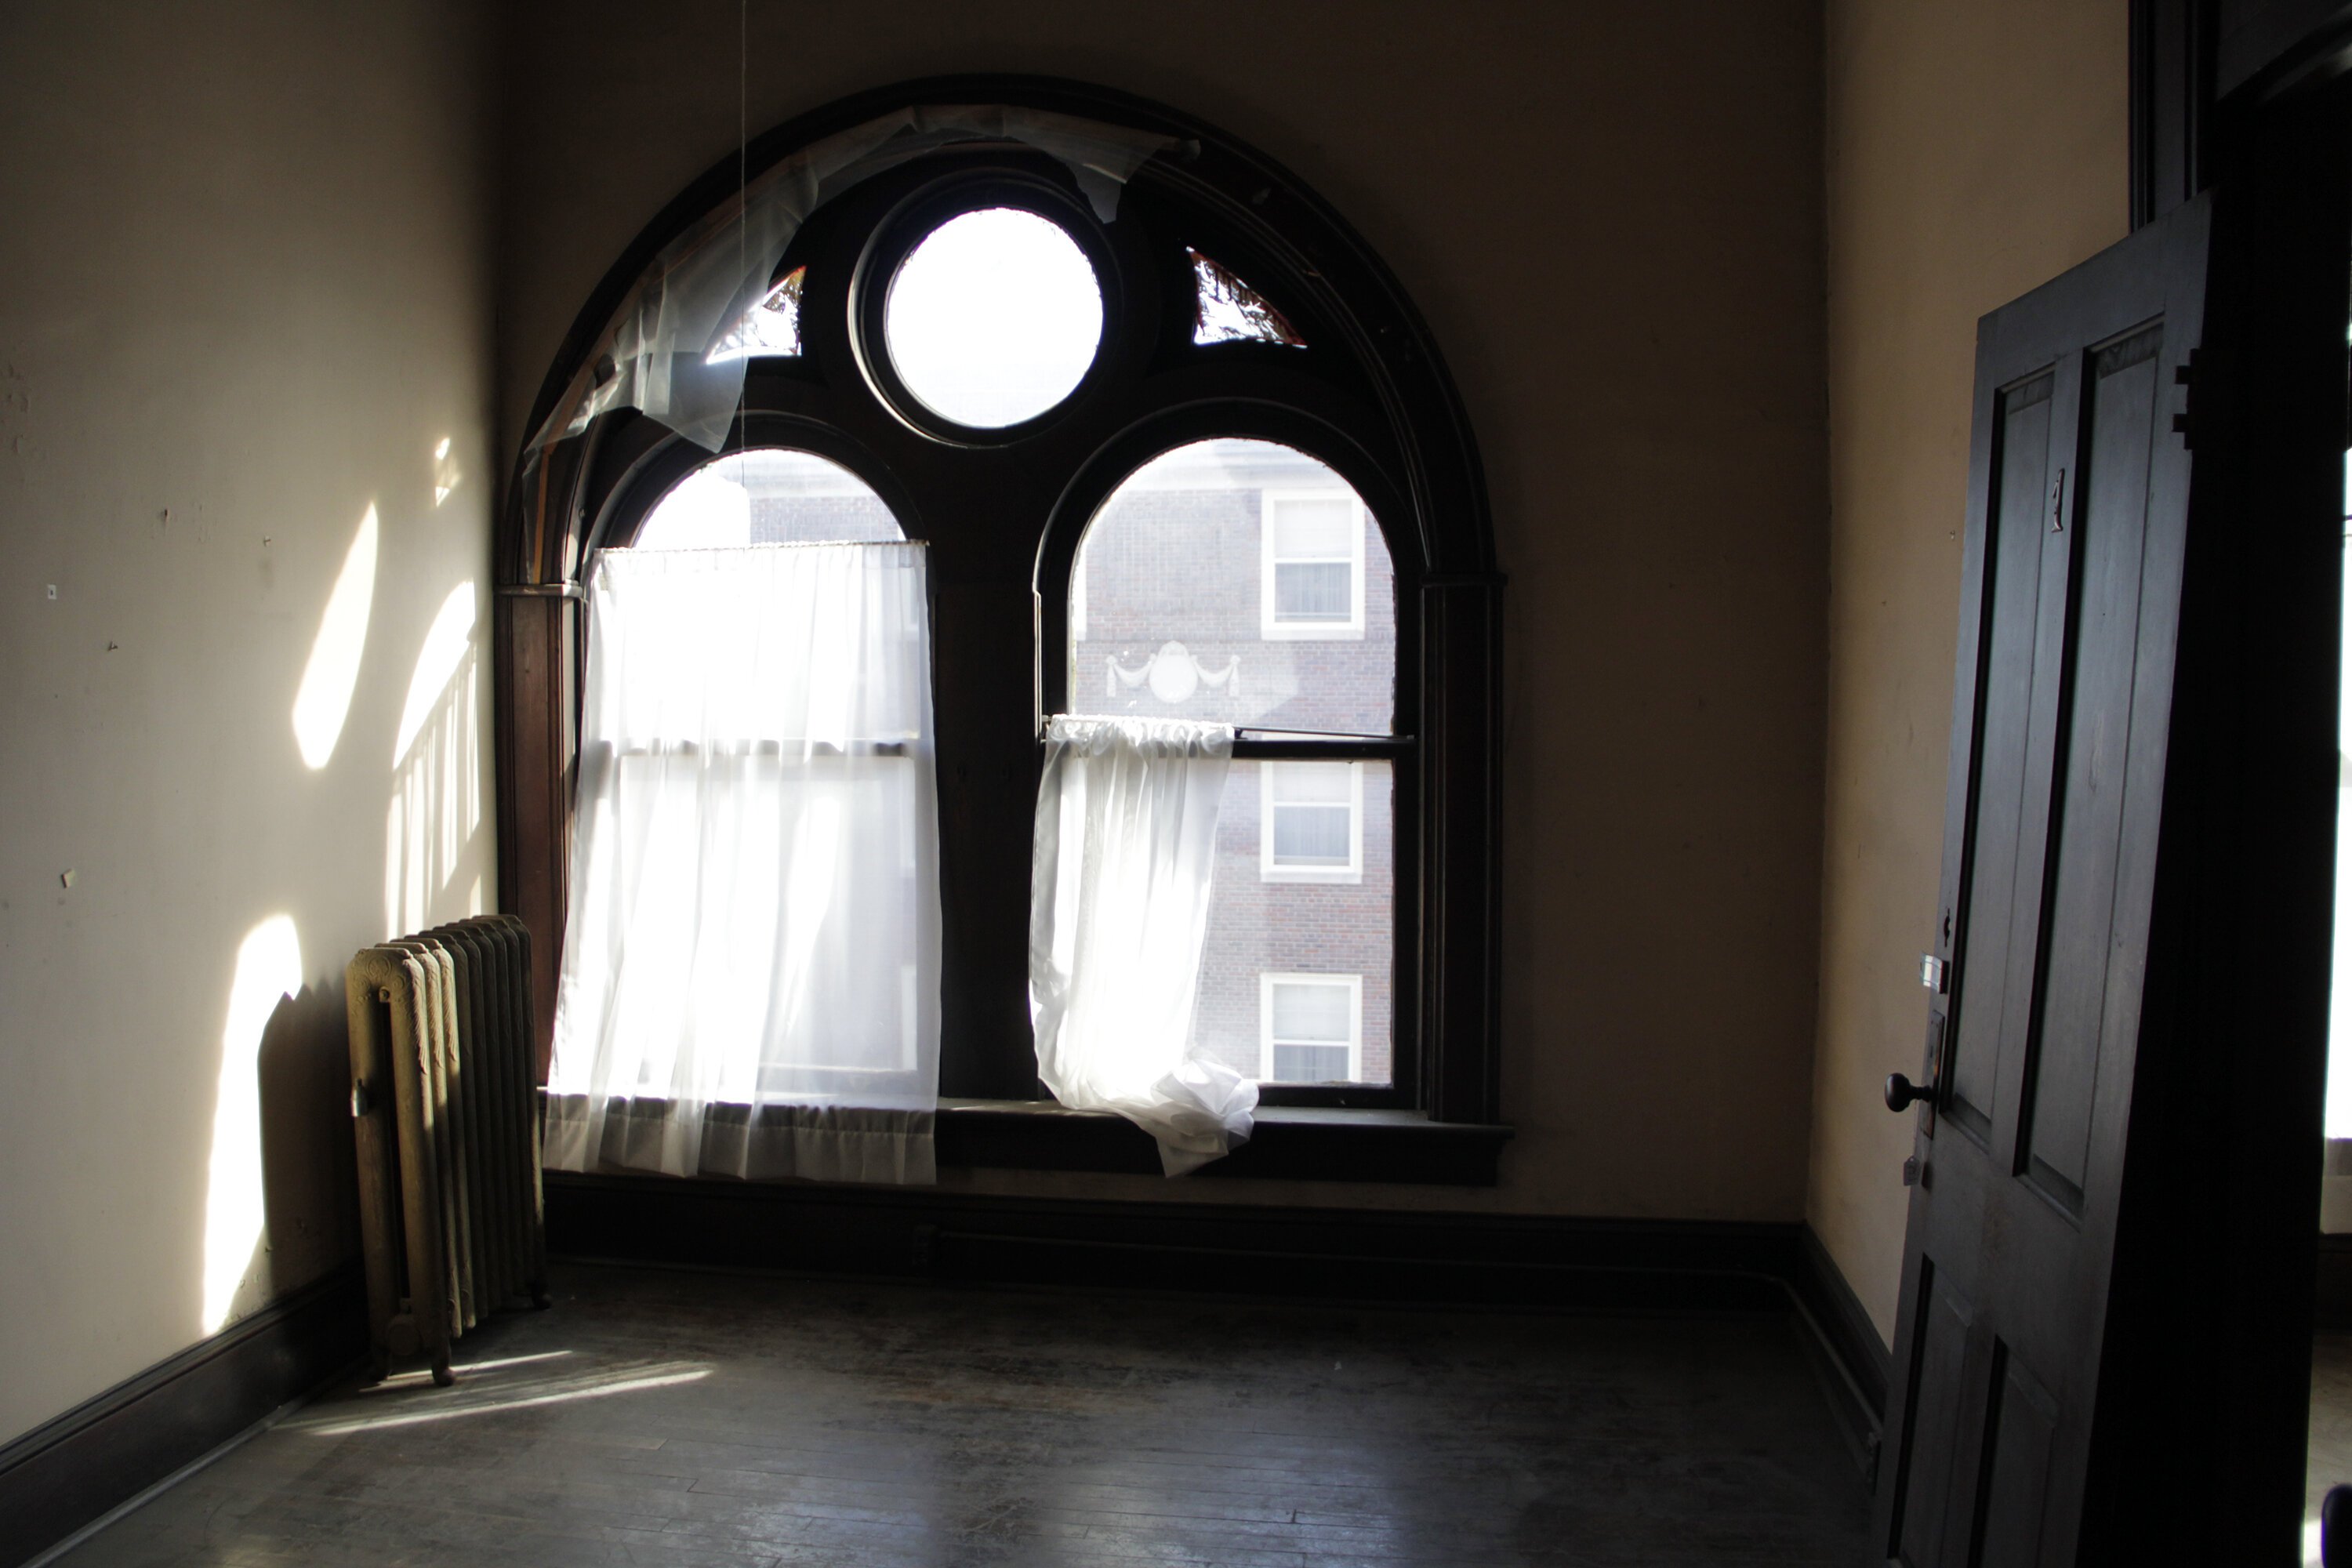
x=1004, y=511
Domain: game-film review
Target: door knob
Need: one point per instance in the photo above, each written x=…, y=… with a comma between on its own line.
x=1901, y=1091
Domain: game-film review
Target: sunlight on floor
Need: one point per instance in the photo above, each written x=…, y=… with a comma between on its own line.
x=269, y=967
x=477, y=1397
x=422, y=1377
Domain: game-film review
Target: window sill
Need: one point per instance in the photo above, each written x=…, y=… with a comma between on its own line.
x=1292, y=1142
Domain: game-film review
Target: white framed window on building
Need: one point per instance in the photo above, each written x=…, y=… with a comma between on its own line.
x=1310, y=822
x=1311, y=544
x=1311, y=1027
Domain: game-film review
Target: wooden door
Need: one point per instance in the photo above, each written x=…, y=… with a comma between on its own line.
x=2103, y=1340
x=2023, y=1428
x=2077, y=506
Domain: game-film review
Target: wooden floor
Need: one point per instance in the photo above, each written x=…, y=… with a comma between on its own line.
x=655, y=1417
x=2328, y=1459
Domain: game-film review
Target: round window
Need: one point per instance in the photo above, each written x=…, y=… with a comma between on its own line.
x=994, y=317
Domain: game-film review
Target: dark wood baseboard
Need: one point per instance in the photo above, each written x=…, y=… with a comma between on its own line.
x=71, y=1470
x=1854, y=1361
x=1404, y=1258
x=1386, y=1256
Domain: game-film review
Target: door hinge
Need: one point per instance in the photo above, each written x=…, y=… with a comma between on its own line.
x=2184, y=424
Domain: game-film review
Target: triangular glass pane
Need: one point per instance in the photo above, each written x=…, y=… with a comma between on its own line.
x=1228, y=311
x=771, y=327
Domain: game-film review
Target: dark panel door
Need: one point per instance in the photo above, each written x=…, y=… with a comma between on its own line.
x=2077, y=511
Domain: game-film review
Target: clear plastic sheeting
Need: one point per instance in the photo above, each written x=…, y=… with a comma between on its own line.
x=1121, y=872
x=750, y=969
x=657, y=353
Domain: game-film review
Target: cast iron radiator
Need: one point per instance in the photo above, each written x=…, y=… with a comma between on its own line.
x=445, y=1115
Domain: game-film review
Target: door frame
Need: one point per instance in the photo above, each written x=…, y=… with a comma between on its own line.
x=2217, y=1237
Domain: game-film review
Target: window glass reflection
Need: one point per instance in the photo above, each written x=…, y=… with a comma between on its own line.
x=1236, y=580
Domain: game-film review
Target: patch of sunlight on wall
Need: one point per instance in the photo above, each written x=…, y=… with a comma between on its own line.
x=437, y=793
x=269, y=968
x=444, y=472
x=324, y=697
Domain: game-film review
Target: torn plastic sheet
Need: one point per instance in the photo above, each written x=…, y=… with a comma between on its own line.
x=662, y=351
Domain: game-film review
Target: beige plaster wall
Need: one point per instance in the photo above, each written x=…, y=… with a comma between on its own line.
x=1611, y=218
x=246, y=297
x=1976, y=148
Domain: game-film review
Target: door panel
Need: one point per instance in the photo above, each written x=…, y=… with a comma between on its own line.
x=2023, y=1438
x=1927, y=1525
x=2017, y=947
x=2013, y=569
x=2087, y=824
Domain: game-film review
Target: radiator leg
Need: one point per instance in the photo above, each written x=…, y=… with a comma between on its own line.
x=442, y=1373
x=367, y=986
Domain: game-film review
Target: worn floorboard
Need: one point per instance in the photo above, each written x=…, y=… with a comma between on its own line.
x=681, y=1418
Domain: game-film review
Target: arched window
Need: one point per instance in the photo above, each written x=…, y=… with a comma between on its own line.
x=1176, y=444
x=766, y=495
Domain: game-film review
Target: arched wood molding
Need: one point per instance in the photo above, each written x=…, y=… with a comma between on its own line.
x=543, y=529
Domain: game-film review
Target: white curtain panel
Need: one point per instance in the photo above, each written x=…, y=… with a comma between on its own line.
x=1119, y=878
x=751, y=971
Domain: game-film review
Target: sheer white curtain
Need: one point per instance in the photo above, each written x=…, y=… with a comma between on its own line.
x=751, y=971
x=1119, y=876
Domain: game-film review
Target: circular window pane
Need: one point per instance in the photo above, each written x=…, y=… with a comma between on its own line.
x=769, y=496
x=994, y=317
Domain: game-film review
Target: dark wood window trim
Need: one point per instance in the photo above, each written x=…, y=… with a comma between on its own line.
x=1370, y=395
x=1289, y=1142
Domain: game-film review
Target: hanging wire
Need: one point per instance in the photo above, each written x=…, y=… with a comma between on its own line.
x=742, y=214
